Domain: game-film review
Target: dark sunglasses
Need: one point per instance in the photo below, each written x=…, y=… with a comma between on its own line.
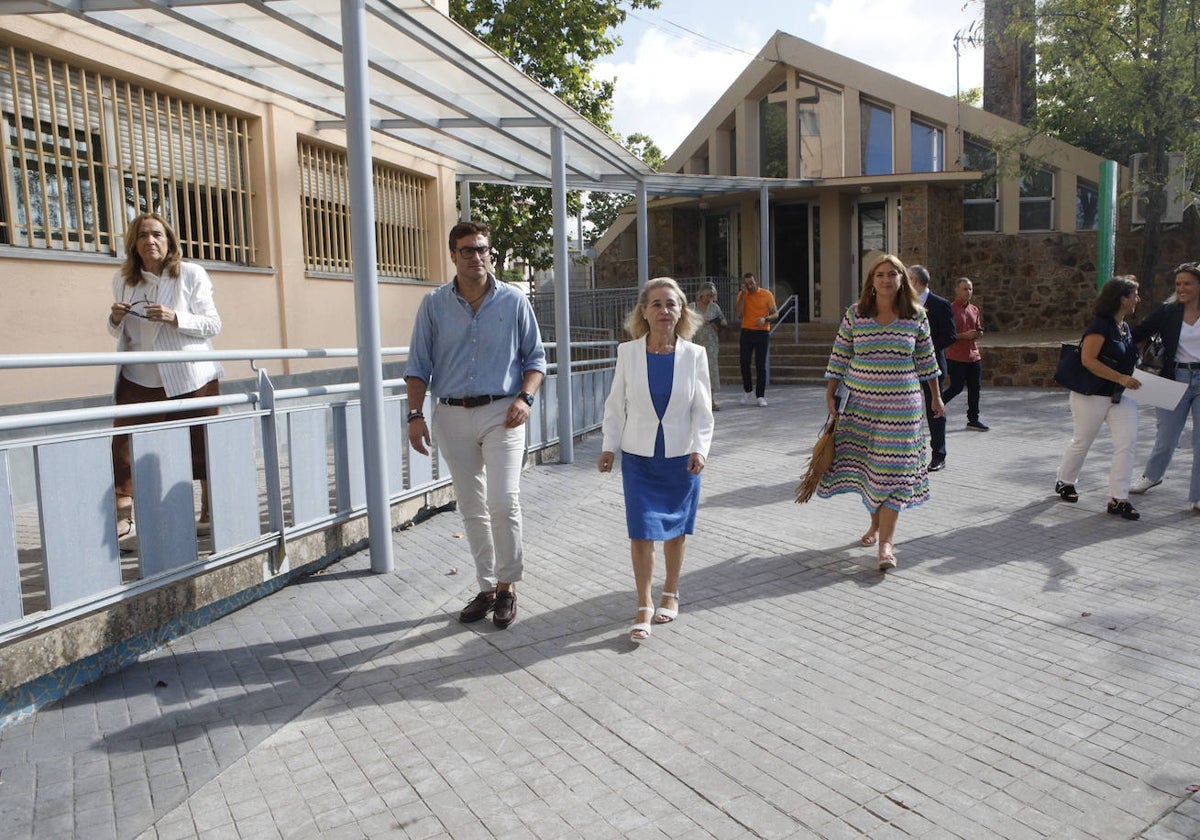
x=134, y=312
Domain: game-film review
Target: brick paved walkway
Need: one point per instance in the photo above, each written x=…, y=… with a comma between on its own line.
x=1030, y=670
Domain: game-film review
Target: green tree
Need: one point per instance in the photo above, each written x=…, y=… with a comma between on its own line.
x=557, y=45
x=603, y=207
x=1123, y=78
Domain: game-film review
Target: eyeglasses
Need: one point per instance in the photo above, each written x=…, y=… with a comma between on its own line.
x=134, y=312
x=481, y=251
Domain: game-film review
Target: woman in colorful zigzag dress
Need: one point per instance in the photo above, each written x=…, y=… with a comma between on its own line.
x=881, y=355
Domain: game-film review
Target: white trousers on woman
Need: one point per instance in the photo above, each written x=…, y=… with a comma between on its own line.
x=1089, y=413
x=485, y=462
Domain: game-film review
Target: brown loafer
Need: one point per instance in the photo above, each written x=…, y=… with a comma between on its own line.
x=480, y=606
x=506, y=608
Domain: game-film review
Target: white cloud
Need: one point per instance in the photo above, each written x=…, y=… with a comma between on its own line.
x=919, y=45
x=667, y=81
x=668, y=86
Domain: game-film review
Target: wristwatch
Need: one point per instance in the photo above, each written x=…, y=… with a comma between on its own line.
x=528, y=397
x=415, y=414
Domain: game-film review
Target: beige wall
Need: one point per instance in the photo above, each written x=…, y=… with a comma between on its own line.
x=57, y=302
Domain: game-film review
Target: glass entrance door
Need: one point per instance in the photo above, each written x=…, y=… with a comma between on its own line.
x=877, y=222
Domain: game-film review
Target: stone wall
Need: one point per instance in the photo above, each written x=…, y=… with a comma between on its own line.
x=1038, y=281
x=1030, y=366
x=931, y=232
x=674, y=250
x=1032, y=281
x=1180, y=243
x=1023, y=282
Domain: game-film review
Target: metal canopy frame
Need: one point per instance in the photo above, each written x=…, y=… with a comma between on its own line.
x=431, y=83
x=404, y=69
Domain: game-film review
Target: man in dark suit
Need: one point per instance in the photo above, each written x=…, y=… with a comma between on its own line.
x=941, y=326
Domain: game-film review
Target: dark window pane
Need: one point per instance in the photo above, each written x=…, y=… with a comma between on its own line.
x=1087, y=206
x=979, y=217
x=772, y=118
x=1036, y=215
x=927, y=151
x=876, y=140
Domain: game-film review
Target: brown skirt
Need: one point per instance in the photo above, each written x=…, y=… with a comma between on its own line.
x=130, y=392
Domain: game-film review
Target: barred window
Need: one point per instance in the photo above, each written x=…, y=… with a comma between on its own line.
x=401, y=220
x=83, y=153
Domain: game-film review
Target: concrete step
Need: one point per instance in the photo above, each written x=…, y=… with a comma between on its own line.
x=792, y=361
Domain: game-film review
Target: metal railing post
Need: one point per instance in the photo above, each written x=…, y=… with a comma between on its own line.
x=272, y=473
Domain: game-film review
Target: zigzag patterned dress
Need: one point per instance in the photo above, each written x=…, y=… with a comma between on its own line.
x=879, y=446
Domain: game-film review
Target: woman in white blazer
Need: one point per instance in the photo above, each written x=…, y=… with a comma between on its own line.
x=160, y=303
x=659, y=413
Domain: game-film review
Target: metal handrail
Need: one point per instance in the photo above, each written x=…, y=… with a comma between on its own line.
x=51, y=360
x=266, y=407
x=791, y=307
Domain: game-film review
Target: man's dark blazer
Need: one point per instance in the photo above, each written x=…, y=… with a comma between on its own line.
x=943, y=333
x=941, y=326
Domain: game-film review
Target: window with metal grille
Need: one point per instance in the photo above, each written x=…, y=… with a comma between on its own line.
x=401, y=220
x=83, y=153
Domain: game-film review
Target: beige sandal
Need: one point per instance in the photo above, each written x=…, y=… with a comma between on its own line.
x=640, y=631
x=665, y=615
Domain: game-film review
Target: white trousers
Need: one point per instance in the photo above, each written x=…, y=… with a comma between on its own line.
x=485, y=461
x=1089, y=413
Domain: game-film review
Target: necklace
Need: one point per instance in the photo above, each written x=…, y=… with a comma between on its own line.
x=669, y=348
x=472, y=301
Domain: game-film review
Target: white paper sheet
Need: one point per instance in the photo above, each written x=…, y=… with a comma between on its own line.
x=1157, y=391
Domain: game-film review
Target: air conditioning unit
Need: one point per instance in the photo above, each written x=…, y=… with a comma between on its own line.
x=1178, y=196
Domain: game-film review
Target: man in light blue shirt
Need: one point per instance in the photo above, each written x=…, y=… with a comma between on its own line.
x=477, y=350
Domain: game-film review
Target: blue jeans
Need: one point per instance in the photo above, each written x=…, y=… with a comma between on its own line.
x=1170, y=429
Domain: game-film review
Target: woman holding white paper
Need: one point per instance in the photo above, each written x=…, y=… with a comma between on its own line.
x=1177, y=321
x=1109, y=352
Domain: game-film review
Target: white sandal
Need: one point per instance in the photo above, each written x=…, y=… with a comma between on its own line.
x=664, y=615
x=127, y=538
x=642, y=627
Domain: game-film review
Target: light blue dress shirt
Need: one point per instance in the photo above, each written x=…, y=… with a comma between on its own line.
x=459, y=352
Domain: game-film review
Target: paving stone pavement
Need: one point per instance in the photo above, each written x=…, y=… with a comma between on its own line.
x=1029, y=671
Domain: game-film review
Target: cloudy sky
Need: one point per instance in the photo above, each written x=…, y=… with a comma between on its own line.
x=677, y=60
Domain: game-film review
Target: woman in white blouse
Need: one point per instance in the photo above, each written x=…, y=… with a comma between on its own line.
x=160, y=303
x=1177, y=321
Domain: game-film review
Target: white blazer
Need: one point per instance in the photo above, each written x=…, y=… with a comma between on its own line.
x=630, y=422
x=191, y=296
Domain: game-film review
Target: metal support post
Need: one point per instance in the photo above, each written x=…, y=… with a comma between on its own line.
x=562, y=296
x=366, y=294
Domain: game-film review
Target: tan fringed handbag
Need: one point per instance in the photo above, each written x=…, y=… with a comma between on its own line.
x=818, y=464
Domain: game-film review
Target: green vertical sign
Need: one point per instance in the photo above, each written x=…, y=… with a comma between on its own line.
x=1107, y=233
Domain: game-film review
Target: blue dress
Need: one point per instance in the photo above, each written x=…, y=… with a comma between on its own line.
x=661, y=496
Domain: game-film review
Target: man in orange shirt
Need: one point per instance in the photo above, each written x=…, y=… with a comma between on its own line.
x=755, y=308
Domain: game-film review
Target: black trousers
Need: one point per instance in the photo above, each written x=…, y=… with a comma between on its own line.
x=937, y=425
x=756, y=343
x=970, y=375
